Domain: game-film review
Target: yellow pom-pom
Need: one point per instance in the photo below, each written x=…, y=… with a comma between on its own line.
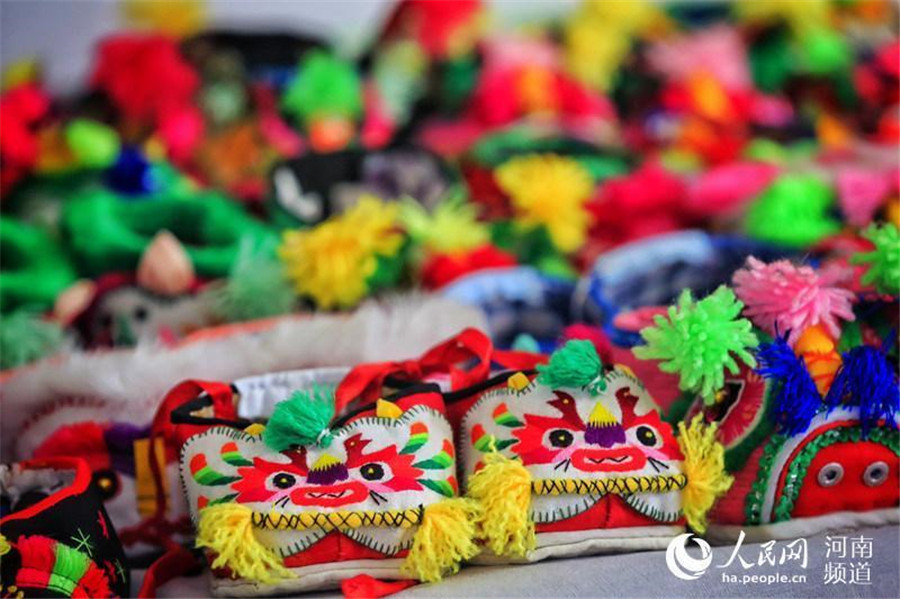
x=550, y=191
x=333, y=261
x=503, y=487
x=704, y=466
x=445, y=538
x=4, y=545
x=227, y=530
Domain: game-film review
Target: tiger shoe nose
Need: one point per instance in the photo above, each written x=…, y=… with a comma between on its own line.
x=327, y=470
x=603, y=428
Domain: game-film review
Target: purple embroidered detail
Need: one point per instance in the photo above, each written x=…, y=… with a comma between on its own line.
x=328, y=476
x=604, y=435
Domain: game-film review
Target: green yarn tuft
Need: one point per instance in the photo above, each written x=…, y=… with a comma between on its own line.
x=697, y=340
x=69, y=567
x=302, y=419
x=575, y=364
x=25, y=337
x=884, y=261
x=256, y=286
x=324, y=86
x=793, y=211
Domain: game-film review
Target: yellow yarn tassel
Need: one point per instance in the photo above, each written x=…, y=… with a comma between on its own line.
x=227, y=530
x=704, y=465
x=4, y=545
x=445, y=538
x=503, y=487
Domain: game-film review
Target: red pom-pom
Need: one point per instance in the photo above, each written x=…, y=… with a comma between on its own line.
x=442, y=269
x=145, y=76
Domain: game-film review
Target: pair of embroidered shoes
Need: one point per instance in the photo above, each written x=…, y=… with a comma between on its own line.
x=570, y=459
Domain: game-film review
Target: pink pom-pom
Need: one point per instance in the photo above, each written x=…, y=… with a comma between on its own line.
x=783, y=297
x=861, y=192
x=727, y=188
x=680, y=58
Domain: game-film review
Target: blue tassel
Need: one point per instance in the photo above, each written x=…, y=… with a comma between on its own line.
x=796, y=399
x=868, y=380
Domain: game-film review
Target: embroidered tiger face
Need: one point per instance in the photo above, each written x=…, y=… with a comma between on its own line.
x=373, y=464
x=566, y=434
x=354, y=472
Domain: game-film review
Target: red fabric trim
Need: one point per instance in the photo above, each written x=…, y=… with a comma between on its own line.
x=610, y=511
x=78, y=486
x=364, y=586
x=334, y=547
x=173, y=437
x=511, y=359
x=365, y=382
x=174, y=563
x=433, y=400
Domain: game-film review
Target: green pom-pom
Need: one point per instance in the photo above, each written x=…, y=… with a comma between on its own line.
x=25, y=337
x=575, y=364
x=697, y=340
x=94, y=144
x=884, y=261
x=256, y=286
x=826, y=51
x=324, y=85
x=302, y=419
x=793, y=211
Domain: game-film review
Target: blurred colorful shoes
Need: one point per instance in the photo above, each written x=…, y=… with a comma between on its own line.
x=55, y=537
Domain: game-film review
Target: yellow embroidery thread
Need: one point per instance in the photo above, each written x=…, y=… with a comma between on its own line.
x=624, y=485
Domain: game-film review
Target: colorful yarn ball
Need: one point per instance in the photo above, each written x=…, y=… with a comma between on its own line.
x=550, y=191
x=334, y=262
x=324, y=86
x=883, y=261
x=784, y=298
x=696, y=339
x=794, y=212
x=145, y=76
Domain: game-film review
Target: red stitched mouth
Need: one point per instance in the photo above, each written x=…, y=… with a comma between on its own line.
x=608, y=460
x=336, y=495
x=614, y=460
x=331, y=495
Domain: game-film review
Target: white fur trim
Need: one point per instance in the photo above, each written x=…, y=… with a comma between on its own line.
x=130, y=383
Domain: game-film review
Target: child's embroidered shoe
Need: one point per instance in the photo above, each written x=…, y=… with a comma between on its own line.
x=305, y=502
x=805, y=461
x=107, y=400
x=809, y=420
x=55, y=537
x=576, y=460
